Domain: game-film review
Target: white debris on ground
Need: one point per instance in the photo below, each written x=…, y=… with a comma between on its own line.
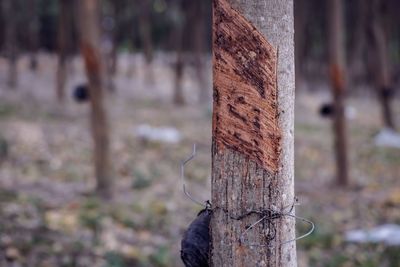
x=388, y=138
x=388, y=234
x=350, y=112
x=158, y=134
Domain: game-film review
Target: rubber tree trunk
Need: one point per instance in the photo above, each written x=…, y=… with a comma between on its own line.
x=145, y=29
x=178, y=97
x=382, y=68
x=197, y=15
x=33, y=33
x=132, y=68
x=117, y=11
x=90, y=40
x=253, y=118
x=358, y=42
x=338, y=84
x=109, y=32
x=63, y=34
x=10, y=27
x=300, y=24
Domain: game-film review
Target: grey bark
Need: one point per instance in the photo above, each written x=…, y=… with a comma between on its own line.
x=239, y=184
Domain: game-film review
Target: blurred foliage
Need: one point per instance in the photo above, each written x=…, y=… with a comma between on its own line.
x=7, y=110
x=141, y=180
x=91, y=215
x=124, y=14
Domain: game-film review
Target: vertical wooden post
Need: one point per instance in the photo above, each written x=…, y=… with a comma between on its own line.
x=338, y=85
x=90, y=39
x=253, y=120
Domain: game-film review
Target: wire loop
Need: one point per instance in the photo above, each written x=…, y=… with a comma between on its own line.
x=266, y=214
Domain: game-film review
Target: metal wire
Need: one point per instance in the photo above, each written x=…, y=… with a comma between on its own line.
x=267, y=214
x=206, y=204
x=312, y=228
x=276, y=215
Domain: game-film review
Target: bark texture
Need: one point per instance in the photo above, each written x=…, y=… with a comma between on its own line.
x=338, y=85
x=90, y=39
x=252, y=132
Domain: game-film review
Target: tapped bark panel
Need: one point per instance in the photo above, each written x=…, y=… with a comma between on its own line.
x=245, y=116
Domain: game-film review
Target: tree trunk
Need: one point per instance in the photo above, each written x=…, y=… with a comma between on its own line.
x=110, y=43
x=197, y=14
x=337, y=75
x=33, y=33
x=300, y=24
x=358, y=44
x=382, y=66
x=63, y=34
x=117, y=12
x=179, y=99
x=145, y=29
x=253, y=120
x=10, y=26
x=90, y=40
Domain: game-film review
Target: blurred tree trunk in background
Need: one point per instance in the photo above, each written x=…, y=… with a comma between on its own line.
x=197, y=16
x=117, y=10
x=64, y=30
x=10, y=28
x=179, y=65
x=90, y=42
x=145, y=31
x=33, y=22
x=381, y=67
x=253, y=121
x=300, y=24
x=358, y=42
x=109, y=41
x=133, y=47
x=338, y=84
